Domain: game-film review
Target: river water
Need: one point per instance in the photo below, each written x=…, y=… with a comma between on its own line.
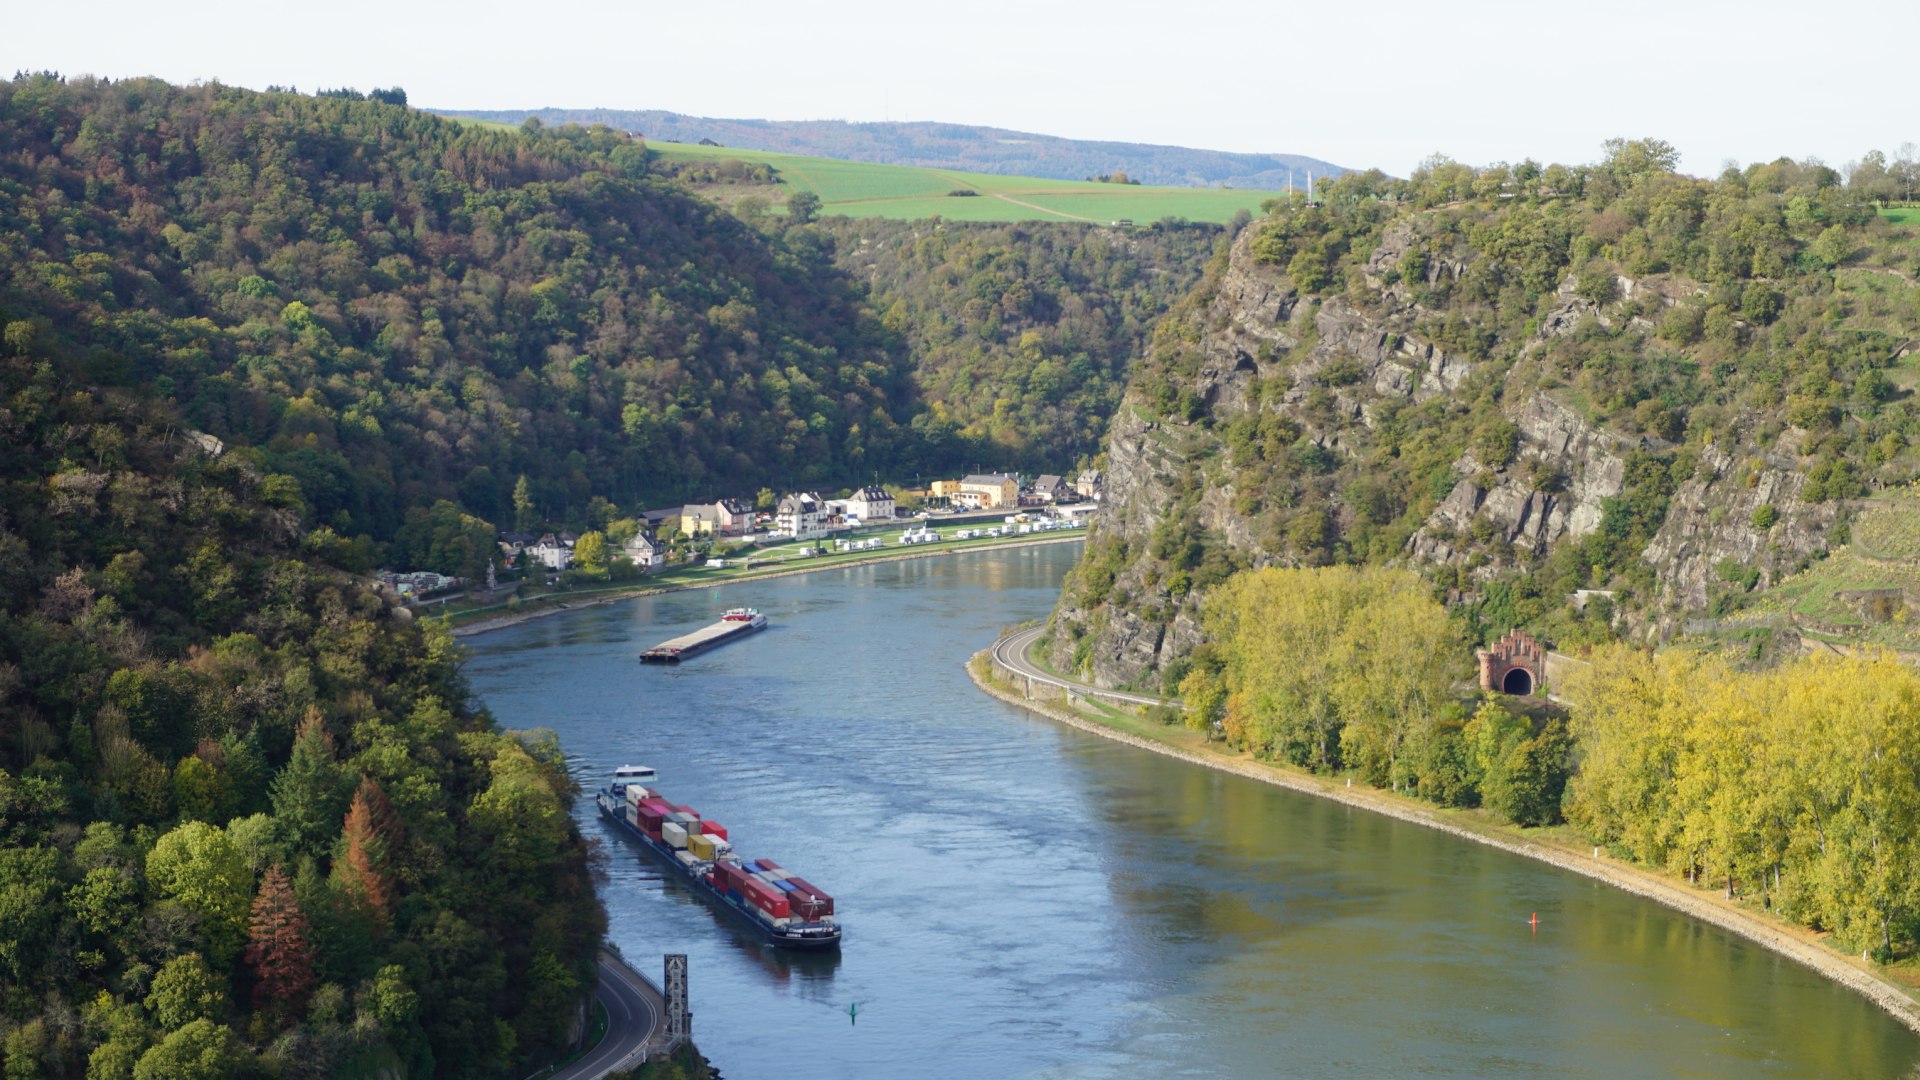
x=1027, y=900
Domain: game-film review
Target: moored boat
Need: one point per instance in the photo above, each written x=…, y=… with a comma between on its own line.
x=734, y=623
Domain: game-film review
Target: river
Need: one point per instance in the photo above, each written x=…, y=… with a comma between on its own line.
x=1027, y=900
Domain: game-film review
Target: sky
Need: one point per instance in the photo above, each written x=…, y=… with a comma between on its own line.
x=1381, y=84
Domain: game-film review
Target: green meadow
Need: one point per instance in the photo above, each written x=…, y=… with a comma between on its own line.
x=862, y=189
x=1902, y=215
x=906, y=192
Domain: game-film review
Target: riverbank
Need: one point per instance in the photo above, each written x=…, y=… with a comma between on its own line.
x=1793, y=942
x=571, y=602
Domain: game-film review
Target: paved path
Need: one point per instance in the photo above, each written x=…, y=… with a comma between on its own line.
x=1010, y=653
x=635, y=1013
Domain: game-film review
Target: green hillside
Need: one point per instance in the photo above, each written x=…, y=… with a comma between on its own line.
x=859, y=189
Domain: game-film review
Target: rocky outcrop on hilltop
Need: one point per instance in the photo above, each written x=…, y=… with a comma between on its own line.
x=1301, y=407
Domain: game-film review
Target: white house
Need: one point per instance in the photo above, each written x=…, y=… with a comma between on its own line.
x=553, y=552
x=800, y=515
x=645, y=551
x=871, y=504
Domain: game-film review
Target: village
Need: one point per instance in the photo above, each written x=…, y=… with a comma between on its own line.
x=739, y=533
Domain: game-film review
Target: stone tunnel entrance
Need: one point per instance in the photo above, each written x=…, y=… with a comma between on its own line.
x=1513, y=665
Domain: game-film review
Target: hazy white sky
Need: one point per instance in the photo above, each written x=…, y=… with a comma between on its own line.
x=1382, y=83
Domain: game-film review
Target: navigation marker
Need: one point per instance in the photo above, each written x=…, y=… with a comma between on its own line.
x=1535, y=922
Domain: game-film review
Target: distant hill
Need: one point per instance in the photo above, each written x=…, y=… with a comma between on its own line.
x=948, y=146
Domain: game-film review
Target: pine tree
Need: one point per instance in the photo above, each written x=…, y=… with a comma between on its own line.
x=307, y=793
x=279, y=947
x=362, y=867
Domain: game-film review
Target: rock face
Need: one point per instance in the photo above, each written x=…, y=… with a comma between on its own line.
x=1711, y=520
x=1264, y=348
x=1581, y=464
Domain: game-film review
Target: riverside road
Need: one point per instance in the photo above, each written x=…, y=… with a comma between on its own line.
x=1010, y=653
x=635, y=1013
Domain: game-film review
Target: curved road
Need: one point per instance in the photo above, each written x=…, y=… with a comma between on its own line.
x=635, y=1011
x=1010, y=652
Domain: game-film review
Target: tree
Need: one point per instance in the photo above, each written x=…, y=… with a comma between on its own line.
x=29, y=880
x=362, y=865
x=519, y=815
x=1332, y=666
x=202, y=1050
x=803, y=206
x=309, y=793
x=198, y=867
x=186, y=990
x=1629, y=160
x=279, y=946
x=526, y=517
x=590, y=554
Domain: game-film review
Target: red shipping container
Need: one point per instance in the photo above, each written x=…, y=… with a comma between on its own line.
x=802, y=889
x=770, y=867
x=657, y=805
x=714, y=828
x=767, y=898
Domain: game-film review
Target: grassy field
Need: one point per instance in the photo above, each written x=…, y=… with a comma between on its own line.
x=1904, y=215
x=862, y=189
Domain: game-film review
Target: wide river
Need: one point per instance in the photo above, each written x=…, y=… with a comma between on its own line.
x=1027, y=900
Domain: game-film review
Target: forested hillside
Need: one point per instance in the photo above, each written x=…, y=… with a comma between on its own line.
x=394, y=308
x=1021, y=335
x=252, y=825
x=1526, y=382
x=434, y=329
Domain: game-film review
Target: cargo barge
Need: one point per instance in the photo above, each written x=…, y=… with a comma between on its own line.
x=783, y=909
x=737, y=622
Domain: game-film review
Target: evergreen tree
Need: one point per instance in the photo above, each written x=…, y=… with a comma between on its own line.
x=279, y=949
x=308, y=792
x=362, y=865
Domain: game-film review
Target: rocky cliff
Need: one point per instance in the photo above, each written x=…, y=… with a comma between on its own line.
x=1412, y=418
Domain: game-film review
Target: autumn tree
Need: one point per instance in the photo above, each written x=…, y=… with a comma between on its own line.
x=279, y=945
x=590, y=554
x=1333, y=666
x=361, y=866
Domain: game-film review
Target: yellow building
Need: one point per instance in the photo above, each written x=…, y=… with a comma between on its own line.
x=992, y=489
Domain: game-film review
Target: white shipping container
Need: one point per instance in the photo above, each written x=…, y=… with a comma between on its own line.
x=673, y=834
x=683, y=818
x=635, y=793
x=686, y=858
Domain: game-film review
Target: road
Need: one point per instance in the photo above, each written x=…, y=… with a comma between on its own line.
x=1010, y=653
x=635, y=1012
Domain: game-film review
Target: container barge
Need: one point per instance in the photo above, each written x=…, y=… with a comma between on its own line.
x=737, y=622
x=783, y=909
